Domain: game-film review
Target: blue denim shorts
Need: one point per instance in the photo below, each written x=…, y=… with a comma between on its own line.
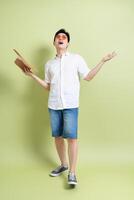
x=64, y=123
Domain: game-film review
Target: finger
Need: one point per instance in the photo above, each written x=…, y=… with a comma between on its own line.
x=114, y=53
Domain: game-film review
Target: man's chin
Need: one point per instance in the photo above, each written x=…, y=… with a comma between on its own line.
x=61, y=47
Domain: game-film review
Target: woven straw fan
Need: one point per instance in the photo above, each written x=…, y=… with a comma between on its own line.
x=21, y=63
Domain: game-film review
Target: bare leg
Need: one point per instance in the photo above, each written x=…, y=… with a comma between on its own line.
x=61, y=150
x=72, y=153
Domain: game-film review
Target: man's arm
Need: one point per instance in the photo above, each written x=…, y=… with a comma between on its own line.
x=38, y=80
x=95, y=70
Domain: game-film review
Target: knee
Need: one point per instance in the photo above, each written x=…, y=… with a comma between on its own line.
x=71, y=141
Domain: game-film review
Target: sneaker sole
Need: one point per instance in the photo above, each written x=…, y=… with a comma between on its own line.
x=72, y=183
x=54, y=175
x=58, y=174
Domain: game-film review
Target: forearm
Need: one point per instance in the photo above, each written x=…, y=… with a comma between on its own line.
x=41, y=82
x=94, y=71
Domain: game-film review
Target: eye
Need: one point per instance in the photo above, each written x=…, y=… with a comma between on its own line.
x=58, y=36
x=64, y=37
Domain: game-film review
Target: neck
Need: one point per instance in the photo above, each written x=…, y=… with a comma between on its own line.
x=60, y=52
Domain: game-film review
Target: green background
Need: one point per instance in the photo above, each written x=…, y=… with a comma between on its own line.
x=106, y=141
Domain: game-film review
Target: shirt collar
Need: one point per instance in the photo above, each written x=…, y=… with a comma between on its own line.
x=64, y=54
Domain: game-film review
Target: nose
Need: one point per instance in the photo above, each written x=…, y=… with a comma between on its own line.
x=60, y=38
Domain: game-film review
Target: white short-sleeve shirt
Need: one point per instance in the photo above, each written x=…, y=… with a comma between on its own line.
x=63, y=74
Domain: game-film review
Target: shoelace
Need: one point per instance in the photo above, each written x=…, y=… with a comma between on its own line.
x=58, y=168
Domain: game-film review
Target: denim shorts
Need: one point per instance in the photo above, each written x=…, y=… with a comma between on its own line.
x=64, y=123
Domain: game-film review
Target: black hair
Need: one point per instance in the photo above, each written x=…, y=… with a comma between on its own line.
x=62, y=31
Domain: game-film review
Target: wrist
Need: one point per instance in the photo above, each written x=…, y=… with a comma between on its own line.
x=102, y=61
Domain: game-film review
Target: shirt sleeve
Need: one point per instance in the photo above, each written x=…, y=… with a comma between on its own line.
x=47, y=74
x=83, y=69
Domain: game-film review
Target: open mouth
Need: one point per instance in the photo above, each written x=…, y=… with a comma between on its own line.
x=60, y=42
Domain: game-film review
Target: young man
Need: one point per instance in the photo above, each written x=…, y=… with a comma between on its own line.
x=62, y=80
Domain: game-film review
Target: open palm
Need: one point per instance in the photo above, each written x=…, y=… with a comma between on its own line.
x=109, y=56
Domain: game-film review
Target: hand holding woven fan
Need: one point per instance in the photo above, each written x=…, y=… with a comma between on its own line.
x=22, y=64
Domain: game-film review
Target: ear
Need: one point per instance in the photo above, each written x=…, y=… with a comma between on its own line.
x=67, y=45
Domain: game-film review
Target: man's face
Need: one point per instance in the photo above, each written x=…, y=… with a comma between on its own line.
x=61, y=41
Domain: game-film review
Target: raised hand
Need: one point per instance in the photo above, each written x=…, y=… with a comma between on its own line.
x=109, y=56
x=22, y=64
